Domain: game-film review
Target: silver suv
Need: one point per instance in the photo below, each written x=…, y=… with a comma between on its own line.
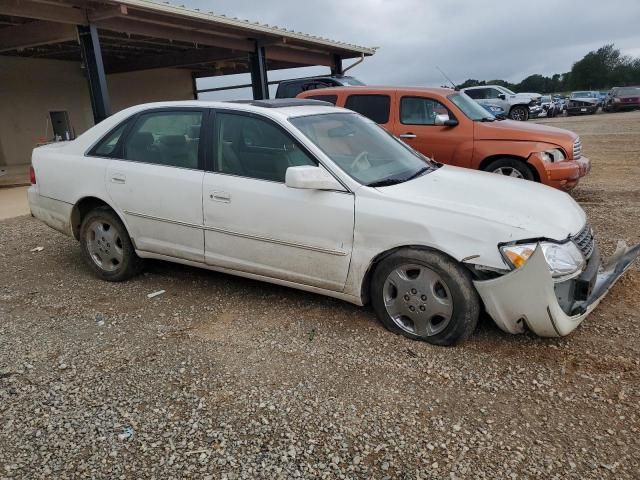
x=519, y=106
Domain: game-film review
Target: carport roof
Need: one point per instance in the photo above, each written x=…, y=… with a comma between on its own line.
x=144, y=34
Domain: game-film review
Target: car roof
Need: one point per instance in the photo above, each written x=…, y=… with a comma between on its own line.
x=483, y=86
x=282, y=108
x=373, y=89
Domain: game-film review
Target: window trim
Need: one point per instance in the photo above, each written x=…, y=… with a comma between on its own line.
x=451, y=115
x=385, y=95
x=91, y=151
x=213, y=150
x=131, y=122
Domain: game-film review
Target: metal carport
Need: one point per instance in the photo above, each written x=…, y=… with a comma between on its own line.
x=116, y=36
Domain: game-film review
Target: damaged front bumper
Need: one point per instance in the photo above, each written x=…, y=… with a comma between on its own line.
x=528, y=297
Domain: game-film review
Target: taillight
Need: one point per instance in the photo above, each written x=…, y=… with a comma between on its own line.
x=32, y=175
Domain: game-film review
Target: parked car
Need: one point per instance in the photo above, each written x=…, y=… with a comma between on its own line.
x=449, y=127
x=583, y=102
x=548, y=106
x=517, y=105
x=494, y=110
x=602, y=97
x=622, y=98
x=291, y=88
x=322, y=199
x=561, y=104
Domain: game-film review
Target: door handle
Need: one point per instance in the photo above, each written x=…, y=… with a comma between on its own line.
x=408, y=135
x=217, y=196
x=118, y=178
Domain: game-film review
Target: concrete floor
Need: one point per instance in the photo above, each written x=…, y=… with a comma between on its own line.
x=13, y=202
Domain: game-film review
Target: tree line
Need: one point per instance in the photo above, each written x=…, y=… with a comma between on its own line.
x=598, y=70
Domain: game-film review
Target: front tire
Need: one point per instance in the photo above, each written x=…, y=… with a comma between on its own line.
x=519, y=113
x=510, y=167
x=106, y=246
x=424, y=295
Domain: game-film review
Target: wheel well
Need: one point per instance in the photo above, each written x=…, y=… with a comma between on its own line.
x=485, y=163
x=518, y=105
x=80, y=210
x=366, y=281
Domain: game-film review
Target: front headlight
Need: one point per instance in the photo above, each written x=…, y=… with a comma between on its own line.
x=554, y=155
x=564, y=259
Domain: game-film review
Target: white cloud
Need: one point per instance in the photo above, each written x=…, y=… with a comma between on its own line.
x=467, y=39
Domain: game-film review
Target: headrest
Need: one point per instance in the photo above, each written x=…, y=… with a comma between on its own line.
x=141, y=140
x=173, y=140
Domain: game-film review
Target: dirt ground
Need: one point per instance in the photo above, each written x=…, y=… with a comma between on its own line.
x=222, y=377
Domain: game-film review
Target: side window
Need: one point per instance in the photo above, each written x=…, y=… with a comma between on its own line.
x=292, y=88
x=492, y=93
x=325, y=98
x=475, y=93
x=375, y=107
x=165, y=138
x=421, y=111
x=107, y=146
x=249, y=146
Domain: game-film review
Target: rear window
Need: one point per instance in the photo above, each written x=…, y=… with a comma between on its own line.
x=324, y=98
x=375, y=107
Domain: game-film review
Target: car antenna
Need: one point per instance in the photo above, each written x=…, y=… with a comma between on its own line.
x=448, y=79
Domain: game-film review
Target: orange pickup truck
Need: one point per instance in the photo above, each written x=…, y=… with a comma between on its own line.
x=451, y=128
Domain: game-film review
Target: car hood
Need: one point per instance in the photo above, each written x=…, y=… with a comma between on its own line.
x=512, y=209
x=584, y=99
x=523, y=131
x=528, y=94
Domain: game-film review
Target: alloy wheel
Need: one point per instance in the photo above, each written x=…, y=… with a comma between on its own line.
x=509, y=172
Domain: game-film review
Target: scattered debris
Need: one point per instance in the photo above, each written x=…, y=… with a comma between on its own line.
x=36, y=249
x=126, y=434
x=100, y=319
x=155, y=294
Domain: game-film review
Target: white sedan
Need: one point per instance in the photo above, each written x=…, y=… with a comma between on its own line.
x=303, y=194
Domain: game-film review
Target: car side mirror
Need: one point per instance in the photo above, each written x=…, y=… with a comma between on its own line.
x=311, y=178
x=502, y=96
x=445, y=121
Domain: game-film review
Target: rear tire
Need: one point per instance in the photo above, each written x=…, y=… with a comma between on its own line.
x=106, y=246
x=519, y=113
x=425, y=295
x=511, y=167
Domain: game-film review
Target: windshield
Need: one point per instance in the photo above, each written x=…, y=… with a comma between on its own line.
x=507, y=91
x=350, y=81
x=629, y=91
x=472, y=110
x=583, y=95
x=365, y=151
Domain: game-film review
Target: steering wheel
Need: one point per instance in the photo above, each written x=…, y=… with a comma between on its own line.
x=361, y=161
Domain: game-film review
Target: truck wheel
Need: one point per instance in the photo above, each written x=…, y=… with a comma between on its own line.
x=424, y=295
x=519, y=113
x=511, y=167
x=106, y=246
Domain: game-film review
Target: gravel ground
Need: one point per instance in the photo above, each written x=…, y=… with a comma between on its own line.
x=222, y=377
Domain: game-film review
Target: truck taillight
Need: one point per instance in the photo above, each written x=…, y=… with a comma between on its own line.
x=32, y=175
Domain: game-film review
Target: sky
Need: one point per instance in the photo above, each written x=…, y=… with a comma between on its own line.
x=488, y=39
